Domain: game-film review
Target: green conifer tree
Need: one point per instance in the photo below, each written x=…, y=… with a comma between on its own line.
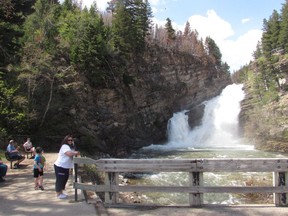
x=131, y=22
x=283, y=38
x=213, y=50
x=169, y=30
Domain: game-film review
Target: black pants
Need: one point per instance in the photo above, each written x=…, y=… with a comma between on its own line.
x=62, y=176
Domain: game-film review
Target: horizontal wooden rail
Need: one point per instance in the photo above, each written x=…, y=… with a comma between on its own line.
x=179, y=165
x=195, y=169
x=182, y=189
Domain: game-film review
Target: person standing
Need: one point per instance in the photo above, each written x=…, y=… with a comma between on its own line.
x=3, y=170
x=14, y=154
x=38, y=171
x=63, y=164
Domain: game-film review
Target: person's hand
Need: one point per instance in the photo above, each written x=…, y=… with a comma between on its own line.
x=76, y=153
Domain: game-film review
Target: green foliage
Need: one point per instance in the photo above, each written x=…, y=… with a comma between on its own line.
x=269, y=96
x=225, y=67
x=12, y=14
x=213, y=50
x=283, y=37
x=88, y=46
x=169, y=30
x=12, y=106
x=269, y=54
x=271, y=31
x=12, y=119
x=40, y=27
x=131, y=22
x=51, y=52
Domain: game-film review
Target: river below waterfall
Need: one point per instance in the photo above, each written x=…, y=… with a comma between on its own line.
x=216, y=137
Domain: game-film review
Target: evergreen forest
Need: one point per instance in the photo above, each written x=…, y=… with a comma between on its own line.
x=267, y=73
x=49, y=49
x=264, y=113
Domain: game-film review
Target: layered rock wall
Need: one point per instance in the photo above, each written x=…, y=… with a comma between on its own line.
x=128, y=117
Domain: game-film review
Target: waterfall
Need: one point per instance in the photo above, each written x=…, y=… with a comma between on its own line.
x=218, y=129
x=216, y=137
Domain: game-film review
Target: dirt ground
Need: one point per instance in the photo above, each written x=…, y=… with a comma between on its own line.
x=18, y=198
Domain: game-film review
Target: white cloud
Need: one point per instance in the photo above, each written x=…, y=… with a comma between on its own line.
x=236, y=52
x=239, y=52
x=245, y=20
x=211, y=25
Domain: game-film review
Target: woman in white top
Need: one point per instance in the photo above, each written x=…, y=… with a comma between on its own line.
x=63, y=164
x=29, y=147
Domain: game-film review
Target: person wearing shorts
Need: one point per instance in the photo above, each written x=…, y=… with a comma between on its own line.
x=38, y=171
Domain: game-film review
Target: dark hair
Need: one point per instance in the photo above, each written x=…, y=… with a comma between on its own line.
x=39, y=150
x=65, y=140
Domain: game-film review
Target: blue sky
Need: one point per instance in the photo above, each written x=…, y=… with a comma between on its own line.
x=235, y=25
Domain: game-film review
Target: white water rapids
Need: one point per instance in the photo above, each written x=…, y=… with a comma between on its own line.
x=219, y=127
x=216, y=137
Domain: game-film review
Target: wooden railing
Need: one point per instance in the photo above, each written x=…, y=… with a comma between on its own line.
x=195, y=169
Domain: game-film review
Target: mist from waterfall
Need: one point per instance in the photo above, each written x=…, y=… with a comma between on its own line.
x=216, y=137
x=218, y=129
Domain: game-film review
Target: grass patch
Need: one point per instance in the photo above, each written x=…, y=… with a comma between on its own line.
x=2, y=156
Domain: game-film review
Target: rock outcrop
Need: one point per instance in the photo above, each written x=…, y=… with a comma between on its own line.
x=265, y=125
x=129, y=116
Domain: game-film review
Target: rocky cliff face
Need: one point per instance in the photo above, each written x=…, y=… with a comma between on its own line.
x=266, y=126
x=128, y=117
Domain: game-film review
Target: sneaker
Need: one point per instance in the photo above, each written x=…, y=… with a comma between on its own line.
x=36, y=188
x=62, y=196
x=41, y=187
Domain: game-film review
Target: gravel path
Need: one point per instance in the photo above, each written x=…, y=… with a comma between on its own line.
x=18, y=197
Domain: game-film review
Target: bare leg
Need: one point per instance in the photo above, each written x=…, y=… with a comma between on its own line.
x=36, y=183
x=41, y=180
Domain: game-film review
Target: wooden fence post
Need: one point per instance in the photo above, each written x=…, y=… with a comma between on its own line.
x=195, y=179
x=286, y=184
x=111, y=179
x=76, y=180
x=280, y=179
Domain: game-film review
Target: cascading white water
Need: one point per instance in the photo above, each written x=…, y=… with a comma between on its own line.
x=216, y=137
x=219, y=127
